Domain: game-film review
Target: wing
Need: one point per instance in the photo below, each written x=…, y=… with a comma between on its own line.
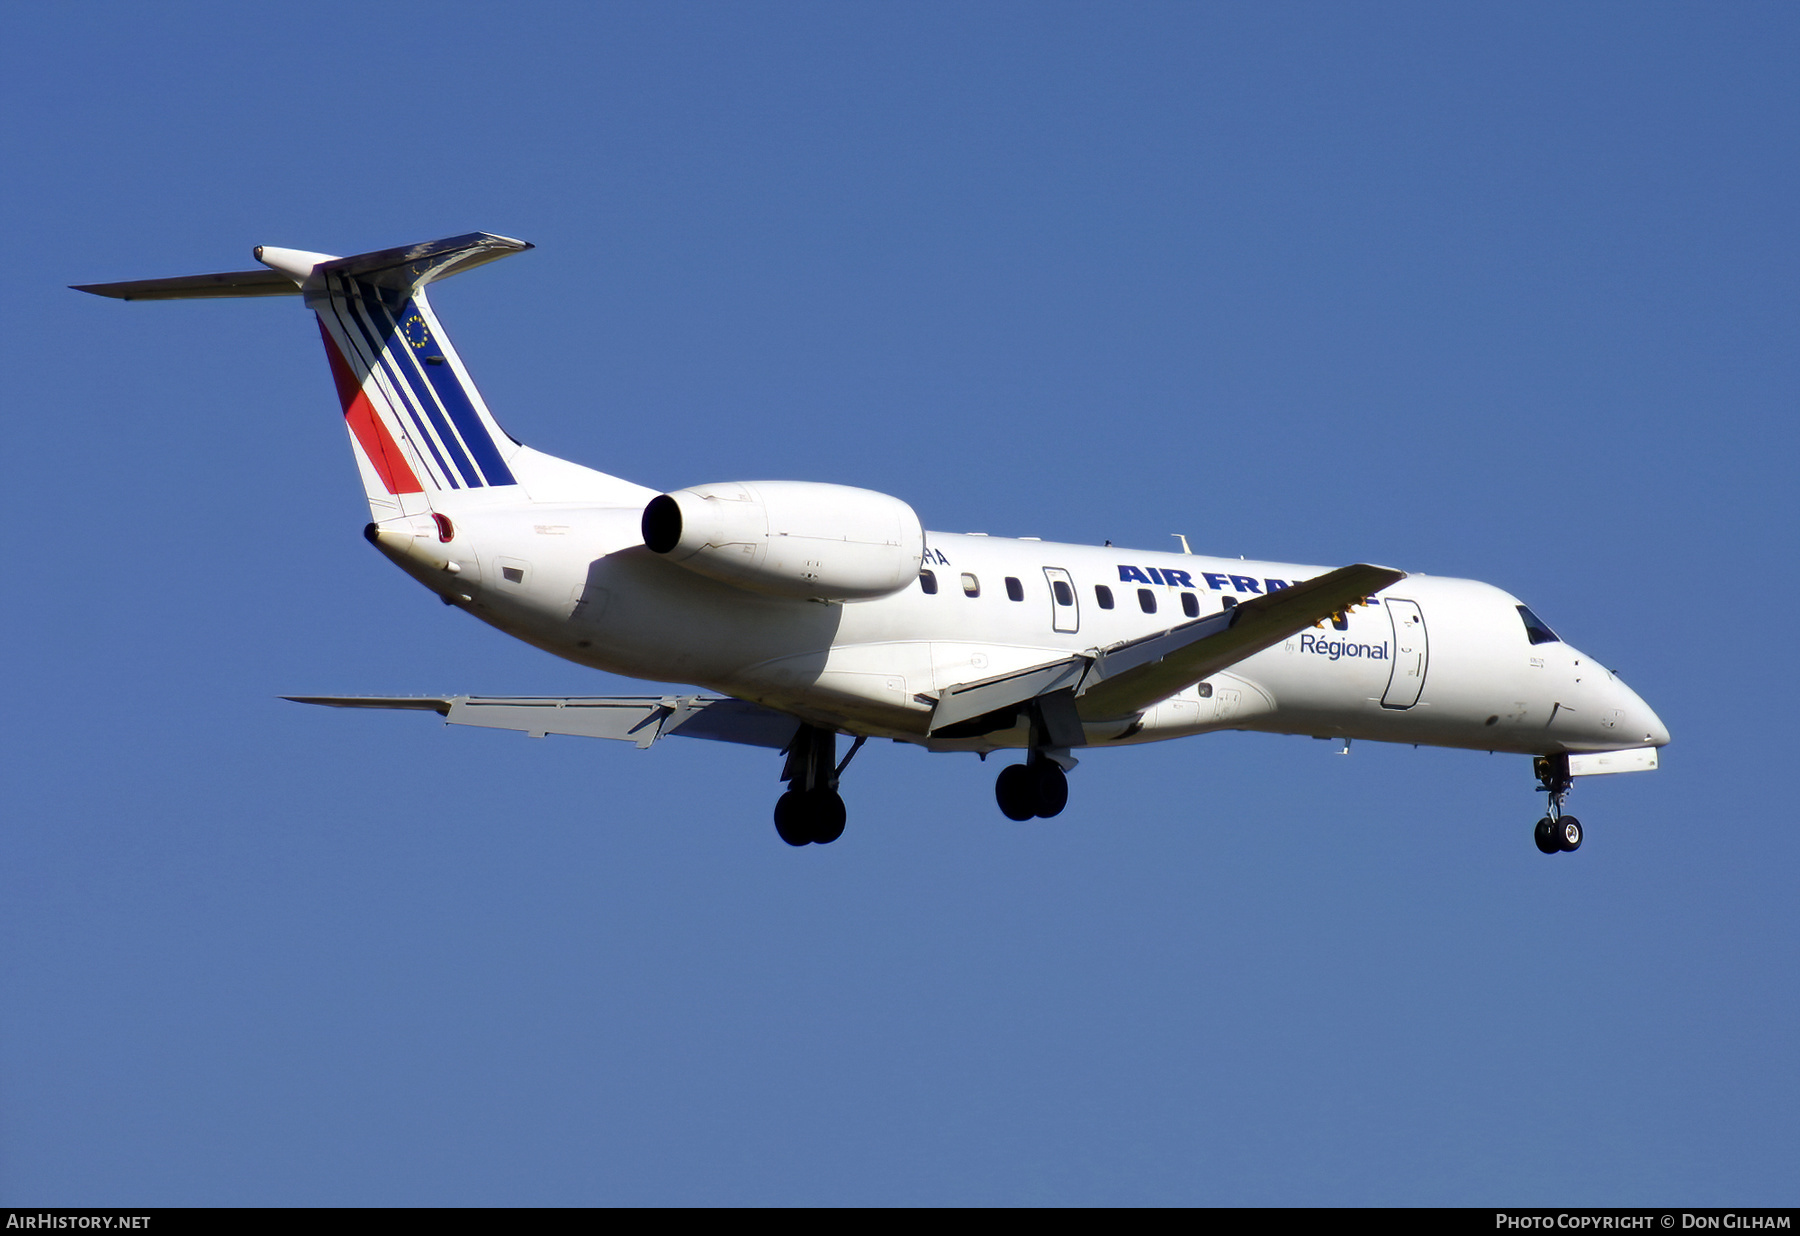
x=632, y=718
x=1130, y=677
x=1127, y=678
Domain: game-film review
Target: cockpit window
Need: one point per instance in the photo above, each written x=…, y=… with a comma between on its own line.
x=1536, y=630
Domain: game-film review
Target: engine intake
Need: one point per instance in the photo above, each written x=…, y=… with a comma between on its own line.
x=794, y=539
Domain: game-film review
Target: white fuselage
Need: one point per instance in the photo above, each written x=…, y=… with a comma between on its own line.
x=1438, y=661
x=833, y=605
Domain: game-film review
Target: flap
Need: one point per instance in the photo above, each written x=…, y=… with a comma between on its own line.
x=968, y=700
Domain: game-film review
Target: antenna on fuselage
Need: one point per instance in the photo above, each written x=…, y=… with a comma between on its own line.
x=1184, y=544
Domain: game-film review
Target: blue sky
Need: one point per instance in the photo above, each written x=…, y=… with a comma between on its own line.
x=1499, y=291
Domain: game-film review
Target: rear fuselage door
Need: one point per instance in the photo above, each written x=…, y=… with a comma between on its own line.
x=1065, y=611
x=1411, y=654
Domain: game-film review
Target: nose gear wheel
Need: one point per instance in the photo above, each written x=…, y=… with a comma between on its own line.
x=1545, y=836
x=1556, y=833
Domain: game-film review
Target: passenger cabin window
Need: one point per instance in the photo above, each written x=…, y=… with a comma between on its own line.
x=971, y=585
x=1103, y=596
x=1535, y=629
x=1190, y=605
x=1015, y=591
x=1065, y=595
x=928, y=583
x=1146, y=600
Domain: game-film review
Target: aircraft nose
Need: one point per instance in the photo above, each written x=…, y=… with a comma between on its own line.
x=1641, y=718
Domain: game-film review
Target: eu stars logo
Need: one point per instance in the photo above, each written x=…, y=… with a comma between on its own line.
x=416, y=332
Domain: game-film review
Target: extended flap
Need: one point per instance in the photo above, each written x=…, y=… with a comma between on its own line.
x=973, y=699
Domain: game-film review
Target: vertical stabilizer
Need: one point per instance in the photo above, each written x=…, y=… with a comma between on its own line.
x=423, y=437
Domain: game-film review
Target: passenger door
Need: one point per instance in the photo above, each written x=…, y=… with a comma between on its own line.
x=1411, y=654
x=1065, y=610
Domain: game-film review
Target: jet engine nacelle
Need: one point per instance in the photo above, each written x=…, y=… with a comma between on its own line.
x=790, y=538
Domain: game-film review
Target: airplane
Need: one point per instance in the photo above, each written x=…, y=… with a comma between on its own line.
x=804, y=611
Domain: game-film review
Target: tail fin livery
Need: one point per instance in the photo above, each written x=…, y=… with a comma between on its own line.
x=422, y=435
x=418, y=423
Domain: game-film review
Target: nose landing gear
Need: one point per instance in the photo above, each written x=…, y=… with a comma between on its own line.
x=1556, y=833
x=1555, y=836
x=812, y=812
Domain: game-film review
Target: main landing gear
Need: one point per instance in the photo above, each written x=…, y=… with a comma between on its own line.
x=1037, y=788
x=812, y=811
x=1556, y=832
x=1040, y=786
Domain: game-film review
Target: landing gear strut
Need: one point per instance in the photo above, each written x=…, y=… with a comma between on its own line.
x=1556, y=832
x=812, y=812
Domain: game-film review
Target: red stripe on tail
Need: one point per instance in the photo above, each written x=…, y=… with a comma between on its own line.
x=370, y=433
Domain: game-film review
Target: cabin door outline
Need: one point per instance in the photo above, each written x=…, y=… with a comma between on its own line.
x=1064, y=616
x=1412, y=653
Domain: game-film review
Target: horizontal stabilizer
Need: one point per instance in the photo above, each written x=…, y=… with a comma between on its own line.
x=632, y=718
x=405, y=269
x=413, y=266
x=198, y=287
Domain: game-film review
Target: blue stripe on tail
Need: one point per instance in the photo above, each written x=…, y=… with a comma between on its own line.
x=445, y=423
x=360, y=312
x=400, y=361
x=417, y=336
